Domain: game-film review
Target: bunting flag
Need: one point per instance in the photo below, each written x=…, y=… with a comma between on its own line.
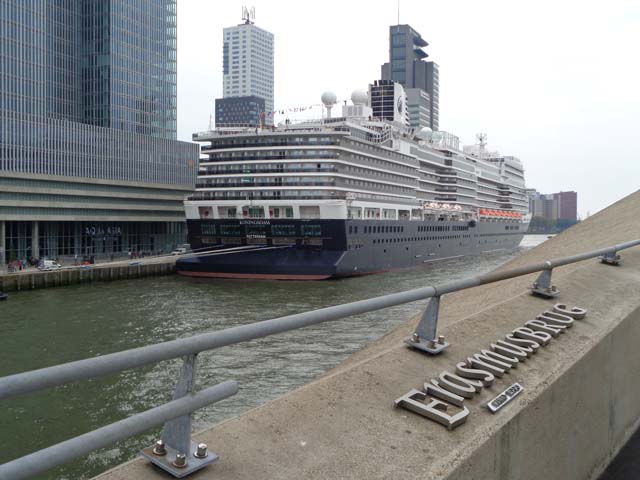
x=304, y=108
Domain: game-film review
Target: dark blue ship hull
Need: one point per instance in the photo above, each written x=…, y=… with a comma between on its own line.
x=320, y=249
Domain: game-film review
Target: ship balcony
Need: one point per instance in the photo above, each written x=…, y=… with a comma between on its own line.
x=264, y=184
x=448, y=180
x=310, y=154
x=274, y=195
x=446, y=198
x=258, y=142
x=269, y=170
x=446, y=189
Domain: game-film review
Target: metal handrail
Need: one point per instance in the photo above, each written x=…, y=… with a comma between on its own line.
x=62, y=452
x=188, y=348
x=48, y=377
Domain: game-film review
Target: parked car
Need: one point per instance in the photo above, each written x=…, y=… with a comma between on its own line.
x=49, y=265
x=179, y=251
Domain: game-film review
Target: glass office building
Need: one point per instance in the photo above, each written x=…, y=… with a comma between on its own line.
x=420, y=78
x=247, y=71
x=89, y=164
x=235, y=111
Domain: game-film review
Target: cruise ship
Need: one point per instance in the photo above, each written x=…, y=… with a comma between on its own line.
x=344, y=196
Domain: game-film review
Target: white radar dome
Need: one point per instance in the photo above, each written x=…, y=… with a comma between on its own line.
x=424, y=133
x=359, y=97
x=329, y=98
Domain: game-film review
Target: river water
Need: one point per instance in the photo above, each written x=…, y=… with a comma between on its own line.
x=45, y=327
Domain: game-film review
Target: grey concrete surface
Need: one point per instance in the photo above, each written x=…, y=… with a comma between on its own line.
x=578, y=408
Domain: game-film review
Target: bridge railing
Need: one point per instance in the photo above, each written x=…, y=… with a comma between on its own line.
x=175, y=452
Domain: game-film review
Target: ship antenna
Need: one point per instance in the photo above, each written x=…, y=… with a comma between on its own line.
x=482, y=143
x=398, y=12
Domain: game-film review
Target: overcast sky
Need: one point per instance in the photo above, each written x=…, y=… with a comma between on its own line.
x=555, y=83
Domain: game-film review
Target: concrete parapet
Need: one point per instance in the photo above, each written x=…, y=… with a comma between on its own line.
x=578, y=407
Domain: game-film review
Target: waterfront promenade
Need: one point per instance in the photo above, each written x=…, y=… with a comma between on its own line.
x=577, y=409
x=33, y=278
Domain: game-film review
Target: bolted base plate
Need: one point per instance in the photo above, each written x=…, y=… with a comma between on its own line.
x=423, y=346
x=193, y=463
x=551, y=292
x=615, y=261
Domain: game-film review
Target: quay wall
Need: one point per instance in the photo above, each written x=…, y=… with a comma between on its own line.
x=578, y=407
x=29, y=280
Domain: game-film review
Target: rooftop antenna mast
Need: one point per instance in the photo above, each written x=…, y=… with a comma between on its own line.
x=482, y=143
x=398, y=12
x=249, y=15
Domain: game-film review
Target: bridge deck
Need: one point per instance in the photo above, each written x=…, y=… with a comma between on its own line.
x=578, y=408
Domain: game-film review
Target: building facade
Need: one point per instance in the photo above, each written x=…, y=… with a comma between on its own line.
x=554, y=206
x=408, y=67
x=246, y=111
x=89, y=164
x=248, y=68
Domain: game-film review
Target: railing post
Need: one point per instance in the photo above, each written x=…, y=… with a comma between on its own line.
x=176, y=452
x=611, y=258
x=424, y=337
x=542, y=287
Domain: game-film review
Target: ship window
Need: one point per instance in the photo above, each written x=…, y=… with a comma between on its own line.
x=230, y=230
x=350, y=229
x=208, y=228
x=283, y=230
x=312, y=230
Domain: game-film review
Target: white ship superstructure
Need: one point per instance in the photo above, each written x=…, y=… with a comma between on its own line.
x=352, y=166
x=354, y=194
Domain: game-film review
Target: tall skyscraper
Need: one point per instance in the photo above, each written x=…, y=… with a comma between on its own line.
x=247, y=72
x=89, y=164
x=420, y=78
